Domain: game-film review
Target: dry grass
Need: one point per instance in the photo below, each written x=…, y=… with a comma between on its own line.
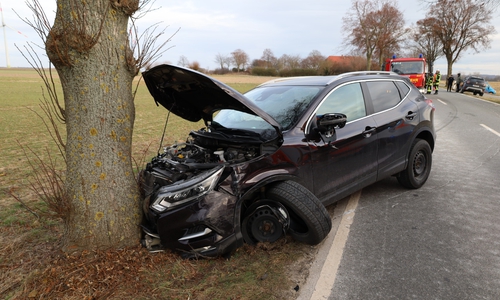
x=33, y=267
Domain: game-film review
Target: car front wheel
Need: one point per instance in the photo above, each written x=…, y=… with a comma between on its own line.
x=288, y=207
x=419, y=165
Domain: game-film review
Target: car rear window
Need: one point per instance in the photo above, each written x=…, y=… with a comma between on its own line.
x=384, y=94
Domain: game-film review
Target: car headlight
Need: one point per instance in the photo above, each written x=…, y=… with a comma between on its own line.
x=171, y=196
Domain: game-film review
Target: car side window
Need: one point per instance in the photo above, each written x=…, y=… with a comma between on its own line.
x=347, y=100
x=384, y=94
x=403, y=88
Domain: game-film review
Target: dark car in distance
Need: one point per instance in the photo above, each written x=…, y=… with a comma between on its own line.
x=267, y=162
x=473, y=84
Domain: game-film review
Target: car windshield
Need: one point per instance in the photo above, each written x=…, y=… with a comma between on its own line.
x=284, y=103
x=407, y=67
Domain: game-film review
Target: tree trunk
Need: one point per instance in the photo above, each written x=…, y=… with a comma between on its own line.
x=88, y=46
x=449, y=60
x=368, y=61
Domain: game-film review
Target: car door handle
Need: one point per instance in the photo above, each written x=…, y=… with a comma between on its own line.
x=369, y=131
x=411, y=115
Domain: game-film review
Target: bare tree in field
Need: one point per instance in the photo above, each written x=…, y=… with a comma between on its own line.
x=88, y=44
x=361, y=33
x=194, y=66
x=313, y=61
x=240, y=59
x=290, y=62
x=462, y=25
x=183, y=61
x=221, y=60
x=426, y=42
x=490, y=5
x=392, y=31
x=228, y=61
x=269, y=58
x=373, y=27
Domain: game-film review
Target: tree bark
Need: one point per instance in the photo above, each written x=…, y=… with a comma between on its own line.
x=368, y=61
x=88, y=45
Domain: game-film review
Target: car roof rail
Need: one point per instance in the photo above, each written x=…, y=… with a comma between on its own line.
x=360, y=73
x=334, y=77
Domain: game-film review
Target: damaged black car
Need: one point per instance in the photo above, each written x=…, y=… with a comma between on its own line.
x=267, y=162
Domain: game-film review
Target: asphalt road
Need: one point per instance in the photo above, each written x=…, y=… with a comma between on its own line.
x=439, y=242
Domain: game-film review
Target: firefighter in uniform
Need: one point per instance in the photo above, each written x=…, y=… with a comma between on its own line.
x=437, y=80
x=428, y=82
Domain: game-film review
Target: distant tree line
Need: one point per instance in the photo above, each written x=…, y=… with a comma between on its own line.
x=375, y=30
x=284, y=66
x=294, y=65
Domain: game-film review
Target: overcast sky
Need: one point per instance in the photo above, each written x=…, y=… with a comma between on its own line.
x=293, y=27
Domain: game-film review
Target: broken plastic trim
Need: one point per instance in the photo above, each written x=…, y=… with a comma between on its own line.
x=196, y=235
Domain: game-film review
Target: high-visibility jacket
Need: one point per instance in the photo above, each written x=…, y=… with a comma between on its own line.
x=429, y=80
x=437, y=79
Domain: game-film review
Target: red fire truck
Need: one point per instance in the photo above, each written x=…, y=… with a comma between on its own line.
x=411, y=67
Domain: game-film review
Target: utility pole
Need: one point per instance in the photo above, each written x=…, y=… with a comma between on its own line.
x=5, y=38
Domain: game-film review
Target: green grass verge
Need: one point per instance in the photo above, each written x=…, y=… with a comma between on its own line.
x=29, y=243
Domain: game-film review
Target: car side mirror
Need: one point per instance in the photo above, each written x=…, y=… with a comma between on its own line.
x=327, y=123
x=331, y=120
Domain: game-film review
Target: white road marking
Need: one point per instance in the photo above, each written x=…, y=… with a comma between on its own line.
x=328, y=274
x=493, y=131
x=442, y=101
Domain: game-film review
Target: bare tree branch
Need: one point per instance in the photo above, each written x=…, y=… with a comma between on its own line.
x=461, y=25
x=374, y=28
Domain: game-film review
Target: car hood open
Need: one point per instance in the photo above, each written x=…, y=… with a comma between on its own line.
x=194, y=96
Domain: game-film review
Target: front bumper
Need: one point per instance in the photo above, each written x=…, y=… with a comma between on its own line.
x=206, y=226
x=473, y=89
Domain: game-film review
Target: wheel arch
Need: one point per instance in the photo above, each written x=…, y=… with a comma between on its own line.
x=423, y=133
x=305, y=218
x=427, y=136
x=259, y=188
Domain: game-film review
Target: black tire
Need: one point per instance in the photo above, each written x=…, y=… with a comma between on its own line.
x=481, y=94
x=310, y=222
x=419, y=165
x=290, y=207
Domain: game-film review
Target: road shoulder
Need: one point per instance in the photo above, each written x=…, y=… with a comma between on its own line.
x=323, y=270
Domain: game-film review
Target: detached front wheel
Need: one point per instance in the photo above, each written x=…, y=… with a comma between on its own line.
x=419, y=165
x=288, y=207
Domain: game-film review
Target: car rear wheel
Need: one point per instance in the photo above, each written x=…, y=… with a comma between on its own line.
x=419, y=165
x=288, y=207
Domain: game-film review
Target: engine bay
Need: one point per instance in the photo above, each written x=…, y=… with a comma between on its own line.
x=202, y=151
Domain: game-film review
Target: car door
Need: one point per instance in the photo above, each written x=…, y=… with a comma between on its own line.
x=347, y=160
x=395, y=116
